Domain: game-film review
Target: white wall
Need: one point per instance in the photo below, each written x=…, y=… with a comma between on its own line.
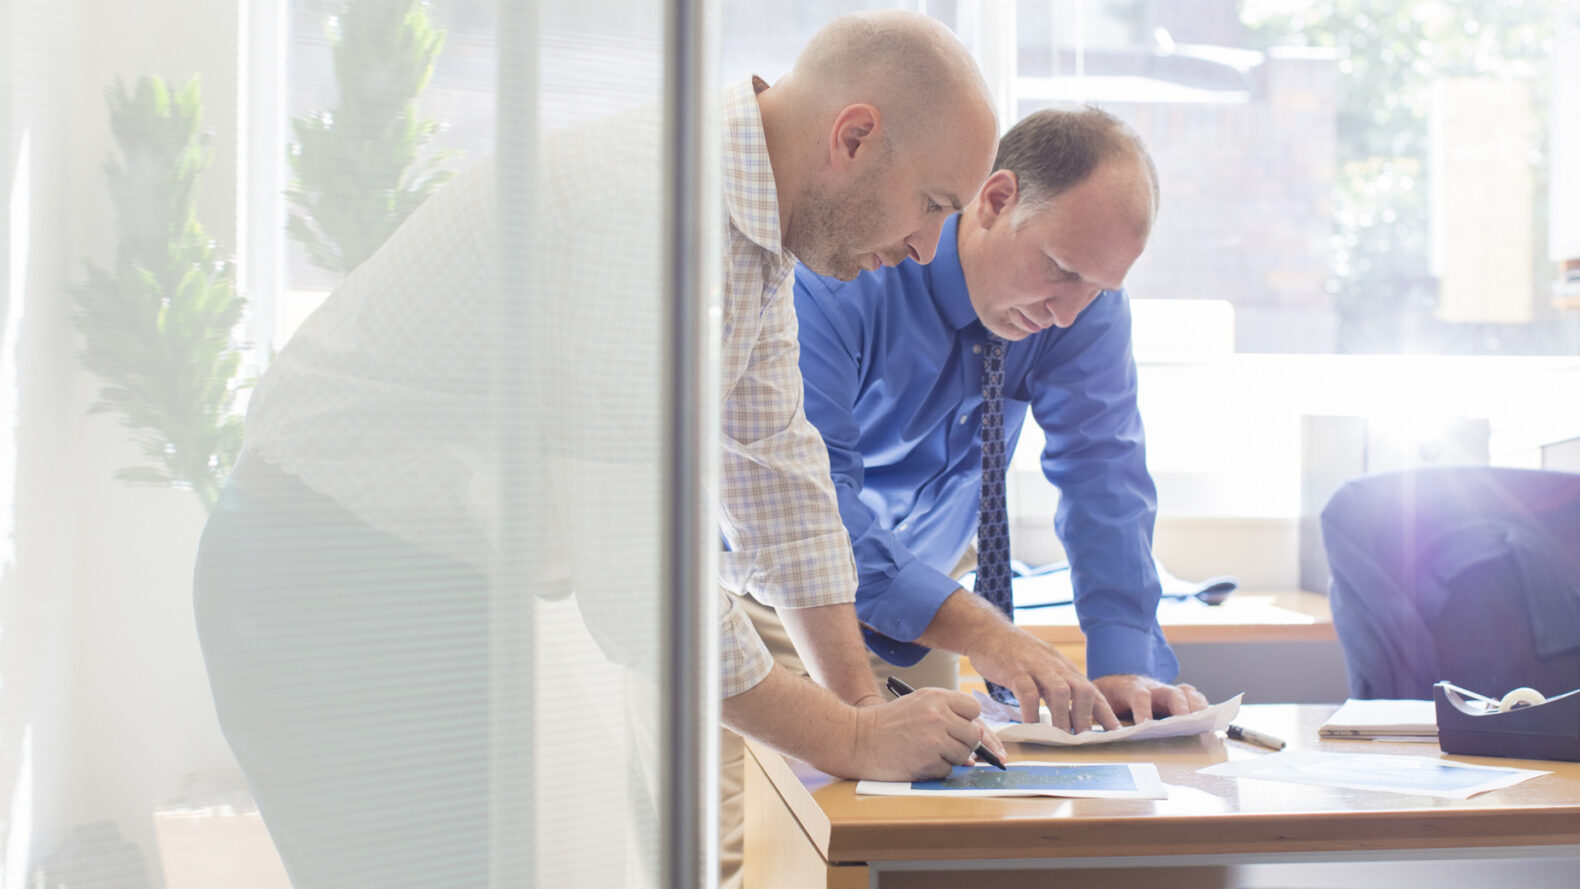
x=38, y=442
x=37, y=445
x=107, y=672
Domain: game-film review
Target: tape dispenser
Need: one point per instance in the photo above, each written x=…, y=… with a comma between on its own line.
x=1522, y=724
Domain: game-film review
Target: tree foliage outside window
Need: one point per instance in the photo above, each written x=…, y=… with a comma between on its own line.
x=157, y=326
x=1392, y=53
x=360, y=168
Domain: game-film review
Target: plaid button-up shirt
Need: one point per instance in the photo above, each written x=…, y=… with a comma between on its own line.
x=788, y=547
x=384, y=399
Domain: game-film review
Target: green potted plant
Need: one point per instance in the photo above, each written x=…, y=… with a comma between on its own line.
x=158, y=326
x=358, y=173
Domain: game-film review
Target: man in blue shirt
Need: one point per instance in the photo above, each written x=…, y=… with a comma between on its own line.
x=892, y=363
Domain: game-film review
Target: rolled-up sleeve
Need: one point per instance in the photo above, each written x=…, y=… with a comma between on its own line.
x=1085, y=401
x=744, y=660
x=777, y=506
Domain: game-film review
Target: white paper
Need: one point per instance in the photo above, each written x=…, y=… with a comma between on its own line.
x=1045, y=587
x=1084, y=780
x=1040, y=587
x=1376, y=718
x=1006, y=722
x=1422, y=775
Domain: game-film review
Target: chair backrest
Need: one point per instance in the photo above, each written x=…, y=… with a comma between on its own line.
x=1469, y=574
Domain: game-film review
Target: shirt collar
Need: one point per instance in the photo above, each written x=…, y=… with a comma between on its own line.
x=749, y=192
x=947, y=280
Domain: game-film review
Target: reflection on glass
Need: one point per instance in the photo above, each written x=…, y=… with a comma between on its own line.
x=345, y=584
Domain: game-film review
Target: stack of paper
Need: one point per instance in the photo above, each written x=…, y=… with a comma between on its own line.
x=1382, y=719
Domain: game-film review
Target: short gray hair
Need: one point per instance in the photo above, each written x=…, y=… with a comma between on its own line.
x=1053, y=150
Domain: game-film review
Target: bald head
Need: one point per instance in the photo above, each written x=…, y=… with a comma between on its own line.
x=881, y=130
x=905, y=62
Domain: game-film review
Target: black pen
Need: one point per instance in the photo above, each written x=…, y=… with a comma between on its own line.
x=899, y=688
x=1250, y=737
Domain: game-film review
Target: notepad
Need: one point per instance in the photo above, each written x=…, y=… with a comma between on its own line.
x=1367, y=719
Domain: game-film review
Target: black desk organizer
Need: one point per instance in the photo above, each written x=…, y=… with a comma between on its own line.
x=1470, y=726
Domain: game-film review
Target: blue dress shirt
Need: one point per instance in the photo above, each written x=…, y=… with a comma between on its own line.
x=893, y=372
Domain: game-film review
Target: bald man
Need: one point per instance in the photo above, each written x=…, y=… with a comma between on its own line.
x=342, y=586
x=864, y=173
x=881, y=129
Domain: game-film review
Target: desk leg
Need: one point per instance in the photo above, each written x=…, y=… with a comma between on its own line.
x=779, y=854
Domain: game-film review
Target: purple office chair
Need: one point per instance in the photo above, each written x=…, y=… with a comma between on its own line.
x=1469, y=574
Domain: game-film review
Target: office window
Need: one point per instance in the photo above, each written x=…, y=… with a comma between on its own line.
x=1351, y=177
x=1380, y=179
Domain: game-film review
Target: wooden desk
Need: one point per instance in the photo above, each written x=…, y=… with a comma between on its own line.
x=1244, y=617
x=806, y=829
x=1272, y=646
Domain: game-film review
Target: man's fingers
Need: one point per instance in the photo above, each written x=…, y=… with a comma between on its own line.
x=959, y=753
x=965, y=706
x=965, y=732
x=1084, y=698
x=1174, y=701
x=1140, y=705
x=1103, y=713
x=1030, y=700
x=1194, y=697
x=1057, y=694
x=990, y=740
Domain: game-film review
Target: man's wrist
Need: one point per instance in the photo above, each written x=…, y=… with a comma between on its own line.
x=966, y=624
x=859, y=688
x=861, y=726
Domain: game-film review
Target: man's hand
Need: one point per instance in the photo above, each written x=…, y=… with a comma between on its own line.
x=919, y=736
x=1035, y=671
x=1005, y=655
x=1142, y=697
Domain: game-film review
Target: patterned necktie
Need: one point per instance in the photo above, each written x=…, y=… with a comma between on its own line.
x=993, y=523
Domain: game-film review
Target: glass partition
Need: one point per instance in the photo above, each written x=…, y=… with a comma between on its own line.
x=354, y=525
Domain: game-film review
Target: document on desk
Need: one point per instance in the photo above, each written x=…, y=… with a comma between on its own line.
x=1370, y=719
x=1103, y=780
x=1006, y=722
x=1423, y=775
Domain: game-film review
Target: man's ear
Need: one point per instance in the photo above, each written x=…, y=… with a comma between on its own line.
x=996, y=198
x=857, y=132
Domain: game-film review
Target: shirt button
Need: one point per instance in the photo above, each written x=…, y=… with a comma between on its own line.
x=963, y=418
x=977, y=349
x=905, y=526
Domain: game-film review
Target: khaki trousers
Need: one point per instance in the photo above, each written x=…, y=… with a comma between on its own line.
x=939, y=669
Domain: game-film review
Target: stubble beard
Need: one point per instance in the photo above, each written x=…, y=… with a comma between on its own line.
x=826, y=225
